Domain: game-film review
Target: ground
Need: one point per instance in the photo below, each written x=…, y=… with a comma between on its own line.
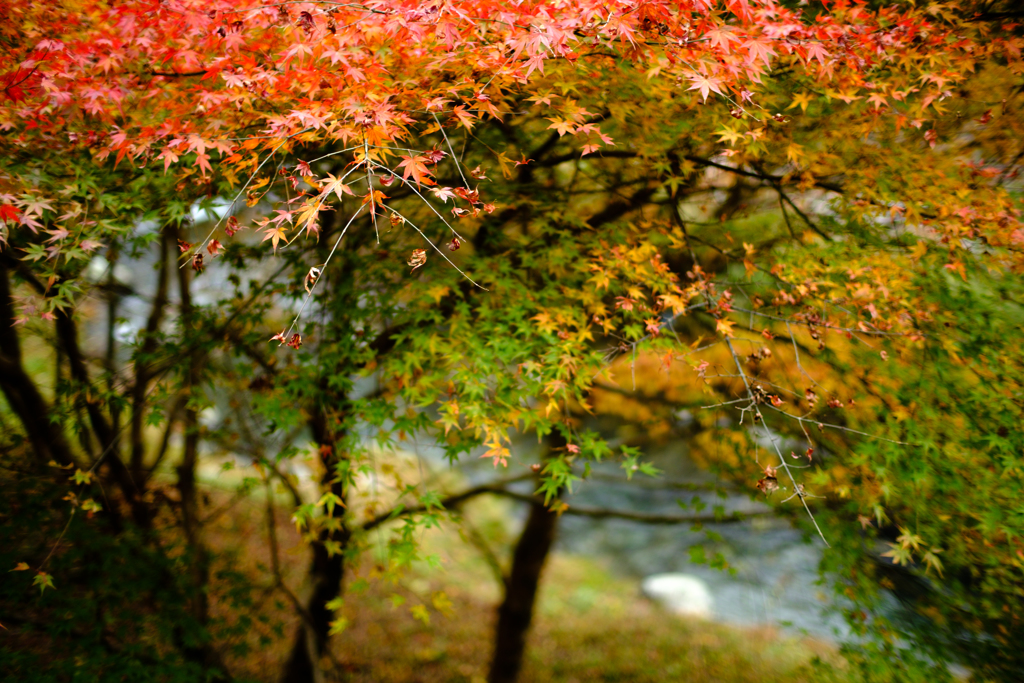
x=436, y=625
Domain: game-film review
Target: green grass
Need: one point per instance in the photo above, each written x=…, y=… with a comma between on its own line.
x=589, y=626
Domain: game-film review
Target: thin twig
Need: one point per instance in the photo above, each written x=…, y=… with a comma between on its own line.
x=199, y=247
x=835, y=426
x=312, y=287
x=782, y=460
x=435, y=247
x=59, y=538
x=827, y=326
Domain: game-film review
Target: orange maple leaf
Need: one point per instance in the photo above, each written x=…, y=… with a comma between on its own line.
x=562, y=126
x=464, y=116
x=335, y=185
x=417, y=168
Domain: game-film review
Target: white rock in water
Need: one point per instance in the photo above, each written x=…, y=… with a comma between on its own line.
x=679, y=593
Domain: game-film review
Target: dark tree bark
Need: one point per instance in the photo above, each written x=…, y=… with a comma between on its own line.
x=106, y=435
x=516, y=610
x=202, y=652
x=326, y=572
x=21, y=392
x=329, y=424
x=143, y=363
x=48, y=441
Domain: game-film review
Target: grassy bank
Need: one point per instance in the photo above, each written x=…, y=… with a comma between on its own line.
x=590, y=626
x=435, y=625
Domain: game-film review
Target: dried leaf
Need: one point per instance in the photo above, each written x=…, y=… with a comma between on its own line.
x=418, y=258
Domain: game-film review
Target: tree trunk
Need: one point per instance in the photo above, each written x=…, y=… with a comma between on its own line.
x=21, y=392
x=311, y=637
x=142, y=364
x=330, y=423
x=516, y=610
x=201, y=650
x=326, y=573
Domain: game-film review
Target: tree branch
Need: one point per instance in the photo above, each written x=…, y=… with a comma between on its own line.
x=448, y=503
x=499, y=488
x=643, y=517
x=142, y=365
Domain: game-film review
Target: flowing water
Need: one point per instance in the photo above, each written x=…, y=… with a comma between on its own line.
x=773, y=572
x=774, y=567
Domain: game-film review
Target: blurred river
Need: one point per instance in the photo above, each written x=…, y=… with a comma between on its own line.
x=774, y=568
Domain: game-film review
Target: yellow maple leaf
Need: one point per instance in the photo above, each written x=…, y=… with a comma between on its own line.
x=562, y=126
x=846, y=97
x=437, y=292
x=729, y=135
x=308, y=214
x=931, y=561
x=544, y=322
x=498, y=453
x=801, y=100
x=919, y=250
x=275, y=234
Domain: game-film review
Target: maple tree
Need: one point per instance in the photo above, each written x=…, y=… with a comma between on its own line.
x=705, y=186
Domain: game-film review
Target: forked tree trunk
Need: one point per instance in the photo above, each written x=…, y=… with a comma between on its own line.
x=516, y=610
x=310, y=642
x=21, y=392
